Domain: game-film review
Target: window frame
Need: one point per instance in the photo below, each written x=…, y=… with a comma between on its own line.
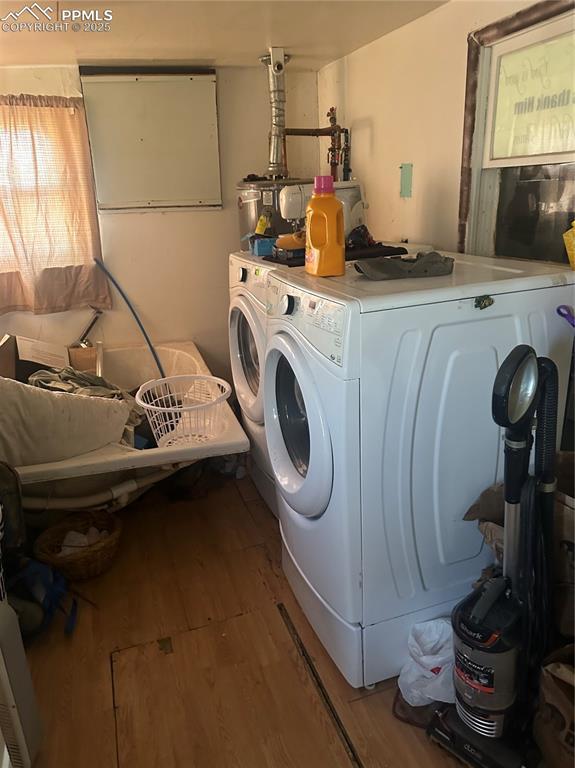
x=35, y=276
x=477, y=213
x=547, y=30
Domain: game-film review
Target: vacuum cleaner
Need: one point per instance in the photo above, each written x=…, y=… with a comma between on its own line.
x=502, y=630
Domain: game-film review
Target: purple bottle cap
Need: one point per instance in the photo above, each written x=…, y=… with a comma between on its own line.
x=323, y=185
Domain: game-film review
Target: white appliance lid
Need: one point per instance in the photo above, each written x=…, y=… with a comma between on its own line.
x=472, y=276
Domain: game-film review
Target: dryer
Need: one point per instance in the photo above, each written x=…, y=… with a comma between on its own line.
x=247, y=338
x=377, y=405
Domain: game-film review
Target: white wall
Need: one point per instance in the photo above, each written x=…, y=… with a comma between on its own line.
x=173, y=265
x=403, y=97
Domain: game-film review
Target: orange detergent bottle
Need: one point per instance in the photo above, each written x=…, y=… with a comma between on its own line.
x=324, y=246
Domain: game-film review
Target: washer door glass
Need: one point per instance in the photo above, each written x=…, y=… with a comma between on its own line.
x=297, y=432
x=292, y=416
x=248, y=353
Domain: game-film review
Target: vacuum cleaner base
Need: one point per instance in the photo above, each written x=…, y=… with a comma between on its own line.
x=447, y=730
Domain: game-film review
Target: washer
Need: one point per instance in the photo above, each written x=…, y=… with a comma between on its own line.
x=377, y=404
x=247, y=336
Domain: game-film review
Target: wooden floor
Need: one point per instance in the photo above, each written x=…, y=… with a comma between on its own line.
x=196, y=655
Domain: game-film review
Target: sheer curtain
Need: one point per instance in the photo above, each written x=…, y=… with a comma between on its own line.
x=49, y=234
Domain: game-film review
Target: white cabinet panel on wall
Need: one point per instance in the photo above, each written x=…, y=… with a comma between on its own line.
x=154, y=139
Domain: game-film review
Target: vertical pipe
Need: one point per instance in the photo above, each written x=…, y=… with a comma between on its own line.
x=275, y=62
x=346, y=167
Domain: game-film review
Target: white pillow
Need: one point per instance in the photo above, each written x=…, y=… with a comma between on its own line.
x=37, y=426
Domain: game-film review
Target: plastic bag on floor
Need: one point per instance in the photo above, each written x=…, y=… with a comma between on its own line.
x=428, y=674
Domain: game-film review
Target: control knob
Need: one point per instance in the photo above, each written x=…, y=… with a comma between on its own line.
x=287, y=304
x=242, y=274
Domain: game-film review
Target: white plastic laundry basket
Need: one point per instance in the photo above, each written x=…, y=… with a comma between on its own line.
x=184, y=409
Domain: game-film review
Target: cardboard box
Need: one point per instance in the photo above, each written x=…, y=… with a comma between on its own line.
x=564, y=521
x=553, y=724
x=564, y=537
x=8, y=357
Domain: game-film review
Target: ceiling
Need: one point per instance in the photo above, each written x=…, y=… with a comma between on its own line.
x=211, y=33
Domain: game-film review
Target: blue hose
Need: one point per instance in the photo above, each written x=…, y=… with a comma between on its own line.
x=122, y=293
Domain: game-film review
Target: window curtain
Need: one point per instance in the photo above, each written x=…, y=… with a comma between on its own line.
x=49, y=235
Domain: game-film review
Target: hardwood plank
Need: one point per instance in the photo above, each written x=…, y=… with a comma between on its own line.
x=385, y=742
x=191, y=563
x=235, y=693
x=130, y=611
x=138, y=598
x=217, y=586
x=224, y=526
x=265, y=520
x=214, y=512
x=268, y=526
x=73, y=682
x=247, y=489
x=340, y=691
x=380, y=739
x=338, y=688
x=167, y=549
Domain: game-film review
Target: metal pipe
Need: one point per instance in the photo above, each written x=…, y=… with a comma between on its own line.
x=335, y=152
x=275, y=62
x=346, y=156
x=103, y=498
x=83, y=340
x=328, y=131
x=517, y=451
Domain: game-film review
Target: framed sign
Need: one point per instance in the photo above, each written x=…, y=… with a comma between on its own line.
x=531, y=105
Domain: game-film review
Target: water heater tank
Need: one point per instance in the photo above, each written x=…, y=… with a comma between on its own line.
x=262, y=196
x=293, y=202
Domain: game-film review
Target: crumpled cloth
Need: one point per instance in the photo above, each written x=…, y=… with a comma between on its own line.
x=75, y=382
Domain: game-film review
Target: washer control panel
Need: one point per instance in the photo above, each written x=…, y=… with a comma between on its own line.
x=322, y=321
x=252, y=277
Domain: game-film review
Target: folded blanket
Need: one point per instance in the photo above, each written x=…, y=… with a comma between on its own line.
x=37, y=426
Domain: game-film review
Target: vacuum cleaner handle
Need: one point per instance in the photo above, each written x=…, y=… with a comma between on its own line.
x=545, y=449
x=517, y=452
x=513, y=403
x=546, y=433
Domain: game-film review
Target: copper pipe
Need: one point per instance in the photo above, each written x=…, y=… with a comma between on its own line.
x=334, y=154
x=329, y=131
x=335, y=131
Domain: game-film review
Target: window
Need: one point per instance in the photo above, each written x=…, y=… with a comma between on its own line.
x=49, y=234
x=518, y=172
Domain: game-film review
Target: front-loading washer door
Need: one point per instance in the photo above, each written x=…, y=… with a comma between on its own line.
x=299, y=442
x=247, y=350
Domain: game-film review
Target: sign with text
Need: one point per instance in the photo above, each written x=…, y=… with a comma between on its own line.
x=534, y=112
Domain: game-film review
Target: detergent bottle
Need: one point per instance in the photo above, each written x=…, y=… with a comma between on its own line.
x=569, y=238
x=324, y=247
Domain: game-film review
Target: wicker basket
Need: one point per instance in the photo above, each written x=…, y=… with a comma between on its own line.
x=88, y=561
